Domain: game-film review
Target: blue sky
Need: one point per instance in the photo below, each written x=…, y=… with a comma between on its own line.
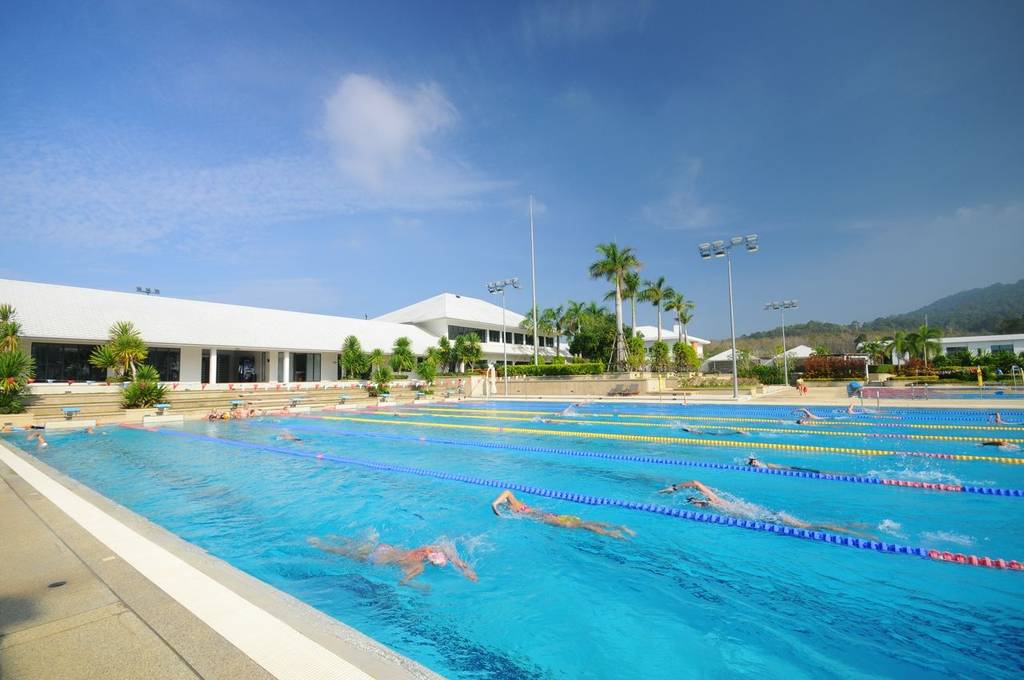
x=354, y=159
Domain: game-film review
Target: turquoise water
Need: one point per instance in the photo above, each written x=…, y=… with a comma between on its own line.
x=680, y=599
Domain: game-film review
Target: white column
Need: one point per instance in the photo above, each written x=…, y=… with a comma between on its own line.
x=213, y=365
x=287, y=368
x=272, y=368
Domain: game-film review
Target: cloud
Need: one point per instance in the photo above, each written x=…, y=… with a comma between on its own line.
x=577, y=21
x=682, y=208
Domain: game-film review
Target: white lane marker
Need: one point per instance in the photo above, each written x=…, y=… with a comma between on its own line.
x=273, y=644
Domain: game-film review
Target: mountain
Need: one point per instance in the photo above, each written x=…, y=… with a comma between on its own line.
x=998, y=308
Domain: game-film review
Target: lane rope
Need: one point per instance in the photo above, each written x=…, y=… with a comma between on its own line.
x=684, y=440
x=706, y=465
x=691, y=515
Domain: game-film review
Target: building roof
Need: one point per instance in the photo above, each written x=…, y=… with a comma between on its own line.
x=721, y=356
x=798, y=352
x=983, y=338
x=48, y=311
x=454, y=308
x=651, y=333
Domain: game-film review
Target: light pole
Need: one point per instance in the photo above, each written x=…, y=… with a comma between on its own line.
x=533, y=288
x=721, y=249
x=499, y=287
x=782, y=306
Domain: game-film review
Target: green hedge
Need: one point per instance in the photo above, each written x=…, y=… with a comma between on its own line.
x=881, y=368
x=555, y=369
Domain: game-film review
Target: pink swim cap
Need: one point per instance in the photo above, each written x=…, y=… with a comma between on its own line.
x=437, y=558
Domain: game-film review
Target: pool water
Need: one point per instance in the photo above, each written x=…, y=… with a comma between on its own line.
x=679, y=599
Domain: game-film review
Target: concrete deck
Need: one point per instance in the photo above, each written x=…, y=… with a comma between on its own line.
x=108, y=620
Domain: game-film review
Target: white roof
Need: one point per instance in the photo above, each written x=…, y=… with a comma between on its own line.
x=651, y=333
x=49, y=311
x=983, y=338
x=798, y=352
x=454, y=308
x=721, y=356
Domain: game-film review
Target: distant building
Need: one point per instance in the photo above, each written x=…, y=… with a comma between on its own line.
x=985, y=344
x=671, y=337
x=211, y=342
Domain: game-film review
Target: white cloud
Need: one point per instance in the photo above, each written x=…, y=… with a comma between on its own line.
x=576, y=21
x=682, y=207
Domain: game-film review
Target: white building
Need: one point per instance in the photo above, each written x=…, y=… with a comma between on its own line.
x=671, y=337
x=985, y=344
x=192, y=341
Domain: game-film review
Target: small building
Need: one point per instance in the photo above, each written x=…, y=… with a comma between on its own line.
x=671, y=337
x=720, y=363
x=985, y=344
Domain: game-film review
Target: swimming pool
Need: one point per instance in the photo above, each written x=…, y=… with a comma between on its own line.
x=689, y=596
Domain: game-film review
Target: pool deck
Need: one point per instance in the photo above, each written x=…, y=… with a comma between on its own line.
x=109, y=620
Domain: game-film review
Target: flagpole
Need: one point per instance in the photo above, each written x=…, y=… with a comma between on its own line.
x=533, y=278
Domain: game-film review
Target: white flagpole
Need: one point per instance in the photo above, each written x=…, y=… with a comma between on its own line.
x=533, y=278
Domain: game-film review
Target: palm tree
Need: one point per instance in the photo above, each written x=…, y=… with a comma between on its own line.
x=573, y=316
x=10, y=329
x=556, y=319
x=656, y=292
x=684, y=312
x=924, y=341
x=16, y=368
x=467, y=350
x=877, y=350
x=376, y=359
x=614, y=264
x=402, y=358
x=352, y=359
x=898, y=346
x=123, y=352
x=630, y=290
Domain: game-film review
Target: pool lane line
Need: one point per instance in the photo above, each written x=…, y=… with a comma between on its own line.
x=706, y=465
x=692, y=515
x=683, y=440
x=731, y=419
x=569, y=420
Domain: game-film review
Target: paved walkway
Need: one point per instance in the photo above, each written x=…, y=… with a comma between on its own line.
x=105, y=621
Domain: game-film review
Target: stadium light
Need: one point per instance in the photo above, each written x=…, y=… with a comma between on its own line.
x=499, y=287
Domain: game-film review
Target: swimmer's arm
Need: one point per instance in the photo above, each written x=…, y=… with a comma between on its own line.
x=504, y=497
x=411, y=571
x=461, y=565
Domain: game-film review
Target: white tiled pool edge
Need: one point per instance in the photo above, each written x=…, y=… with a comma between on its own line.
x=271, y=643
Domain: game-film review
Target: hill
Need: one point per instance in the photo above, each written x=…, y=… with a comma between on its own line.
x=998, y=308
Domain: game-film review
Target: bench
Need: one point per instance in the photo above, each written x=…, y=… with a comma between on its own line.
x=342, y=398
x=70, y=411
x=620, y=390
x=161, y=408
x=295, y=401
x=420, y=394
x=384, y=396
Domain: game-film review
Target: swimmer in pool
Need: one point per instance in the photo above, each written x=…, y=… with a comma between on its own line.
x=288, y=437
x=806, y=417
x=517, y=507
x=570, y=410
x=706, y=498
x=39, y=438
x=412, y=562
x=694, y=430
x=753, y=461
x=1001, y=444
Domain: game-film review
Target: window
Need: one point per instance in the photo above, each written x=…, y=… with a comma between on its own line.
x=519, y=338
x=549, y=342
x=166, y=361
x=494, y=336
x=456, y=331
x=56, y=361
x=1002, y=348
x=508, y=337
x=956, y=350
x=529, y=340
x=306, y=367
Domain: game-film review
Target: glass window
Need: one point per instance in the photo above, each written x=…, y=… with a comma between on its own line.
x=549, y=342
x=166, y=361
x=494, y=336
x=508, y=337
x=1002, y=348
x=519, y=338
x=55, y=361
x=456, y=331
x=955, y=350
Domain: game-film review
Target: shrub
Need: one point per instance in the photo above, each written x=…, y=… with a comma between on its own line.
x=556, y=369
x=881, y=368
x=15, y=370
x=913, y=367
x=428, y=371
x=659, y=357
x=836, y=368
x=684, y=358
x=145, y=390
x=382, y=378
x=771, y=374
x=714, y=383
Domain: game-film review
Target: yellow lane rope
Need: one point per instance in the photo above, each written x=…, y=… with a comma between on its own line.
x=667, y=440
x=741, y=419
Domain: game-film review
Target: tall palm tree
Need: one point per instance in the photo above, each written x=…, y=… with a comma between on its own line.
x=630, y=291
x=657, y=293
x=124, y=350
x=555, y=318
x=924, y=341
x=614, y=264
x=898, y=345
x=573, y=316
x=447, y=352
x=684, y=312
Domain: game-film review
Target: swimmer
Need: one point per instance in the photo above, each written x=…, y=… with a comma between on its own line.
x=708, y=498
x=1001, y=444
x=753, y=461
x=214, y=415
x=807, y=415
x=570, y=410
x=90, y=430
x=997, y=418
x=288, y=437
x=411, y=562
x=693, y=430
x=37, y=435
x=7, y=428
x=517, y=507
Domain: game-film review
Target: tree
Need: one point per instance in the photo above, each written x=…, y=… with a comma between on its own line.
x=657, y=293
x=467, y=350
x=427, y=370
x=573, y=318
x=555, y=319
x=144, y=390
x=123, y=352
x=16, y=368
x=382, y=378
x=402, y=358
x=614, y=264
x=594, y=340
x=659, y=357
x=637, y=352
x=376, y=359
x=10, y=329
x=898, y=345
x=684, y=312
x=877, y=351
x=630, y=290
x=447, y=353
x=684, y=358
x=924, y=342
x=352, y=359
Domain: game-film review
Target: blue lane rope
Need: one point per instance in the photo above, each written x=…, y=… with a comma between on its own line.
x=801, y=474
x=692, y=515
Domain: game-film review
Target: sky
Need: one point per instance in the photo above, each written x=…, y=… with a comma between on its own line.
x=354, y=158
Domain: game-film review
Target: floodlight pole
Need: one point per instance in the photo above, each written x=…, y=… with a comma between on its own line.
x=785, y=357
x=732, y=327
x=533, y=286
x=504, y=341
